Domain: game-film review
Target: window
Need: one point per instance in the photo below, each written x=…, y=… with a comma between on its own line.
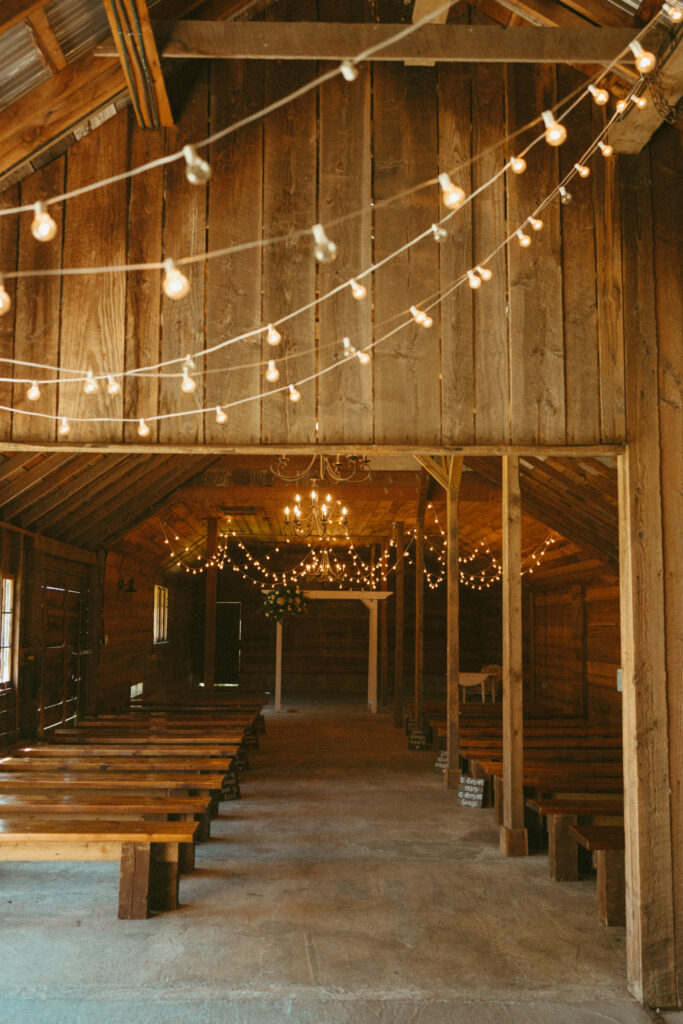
x=6, y=624
x=160, y=614
x=136, y=690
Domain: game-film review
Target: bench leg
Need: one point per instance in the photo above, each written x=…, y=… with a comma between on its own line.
x=134, y=881
x=186, y=858
x=203, y=833
x=563, y=850
x=164, y=876
x=611, y=887
x=498, y=798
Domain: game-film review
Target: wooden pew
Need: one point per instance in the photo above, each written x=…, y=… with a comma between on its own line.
x=148, y=853
x=560, y=815
x=226, y=752
x=607, y=845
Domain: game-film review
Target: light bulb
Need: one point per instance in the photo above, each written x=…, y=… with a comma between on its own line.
x=484, y=273
x=536, y=223
x=272, y=373
x=113, y=386
x=605, y=148
x=600, y=96
x=188, y=384
x=439, y=234
x=273, y=337
x=518, y=165
x=363, y=357
x=453, y=196
x=64, y=427
x=349, y=349
x=90, y=385
x=143, y=429
x=5, y=301
x=555, y=133
x=43, y=227
x=33, y=393
x=582, y=170
x=324, y=250
x=621, y=106
x=221, y=416
x=673, y=12
x=473, y=280
x=176, y=285
x=421, y=318
x=349, y=71
x=640, y=101
x=645, y=61
x=524, y=240
x=197, y=170
x=359, y=291
x=565, y=197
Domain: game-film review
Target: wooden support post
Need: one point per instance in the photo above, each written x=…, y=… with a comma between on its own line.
x=452, y=773
x=420, y=596
x=210, y=609
x=513, y=835
x=278, y=666
x=383, y=632
x=372, y=656
x=134, y=881
x=133, y=36
x=398, y=633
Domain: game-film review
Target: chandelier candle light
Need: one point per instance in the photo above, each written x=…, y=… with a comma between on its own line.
x=319, y=519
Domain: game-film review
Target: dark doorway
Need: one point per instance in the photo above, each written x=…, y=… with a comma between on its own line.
x=228, y=639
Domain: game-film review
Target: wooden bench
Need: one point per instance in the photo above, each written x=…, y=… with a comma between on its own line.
x=148, y=853
x=560, y=815
x=606, y=842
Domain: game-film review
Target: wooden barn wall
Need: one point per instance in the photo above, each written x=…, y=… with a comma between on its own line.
x=128, y=654
x=534, y=357
x=573, y=648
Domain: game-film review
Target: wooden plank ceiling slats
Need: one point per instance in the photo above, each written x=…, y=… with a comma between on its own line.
x=47, y=464
x=56, y=484
x=59, y=500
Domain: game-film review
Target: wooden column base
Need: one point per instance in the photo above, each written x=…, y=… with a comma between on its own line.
x=514, y=842
x=611, y=887
x=452, y=778
x=563, y=850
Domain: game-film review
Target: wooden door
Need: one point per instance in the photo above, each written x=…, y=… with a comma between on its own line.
x=61, y=654
x=228, y=641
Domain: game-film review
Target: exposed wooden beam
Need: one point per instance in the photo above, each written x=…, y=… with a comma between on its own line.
x=58, y=497
x=452, y=773
x=419, y=594
x=12, y=488
x=421, y=10
x=637, y=127
x=46, y=40
x=137, y=50
x=399, y=541
x=54, y=483
x=210, y=603
x=276, y=40
x=14, y=11
x=76, y=507
x=435, y=469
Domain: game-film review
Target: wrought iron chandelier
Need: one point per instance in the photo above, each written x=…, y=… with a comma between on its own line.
x=339, y=468
x=321, y=518
x=320, y=568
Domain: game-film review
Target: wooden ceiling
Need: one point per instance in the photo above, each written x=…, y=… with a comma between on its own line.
x=135, y=502
x=38, y=126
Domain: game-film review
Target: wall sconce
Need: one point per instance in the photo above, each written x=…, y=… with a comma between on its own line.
x=127, y=585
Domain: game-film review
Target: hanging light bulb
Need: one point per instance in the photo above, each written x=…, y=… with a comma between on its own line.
x=272, y=373
x=197, y=170
x=90, y=385
x=188, y=384
x=473, y=280
x=143, y=428
x=421, y=318
x=645, y=61
x=33, y=393
x=273, y=336
x=605, y=148
x=439, y=234
x=518, y=165
x=621, y=106
x=294, y=395
x=5, y=301
x=524, y=240
x=536, y=223
x=324, y=250
x=555, y=133
x=582, y=170
x=673, y=11
x=359, y=291
x=221, y=416
x=453, y=196
x=113, y=386
x=484, y=273
x=349, y=71
x=43, y=228
x=639, y=101
x=363, y=357
x=176, y=285
x=565, y=197
x=600, y=96
x=64, y=427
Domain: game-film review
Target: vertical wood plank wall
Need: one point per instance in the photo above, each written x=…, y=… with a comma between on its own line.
x=549, y=371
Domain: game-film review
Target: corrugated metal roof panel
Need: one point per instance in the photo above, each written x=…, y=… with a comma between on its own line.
x=78, y=25
x=21, y=63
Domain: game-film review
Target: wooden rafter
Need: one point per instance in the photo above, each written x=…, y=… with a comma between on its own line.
x=46, y=41
x=421, y=9
x=137, y=50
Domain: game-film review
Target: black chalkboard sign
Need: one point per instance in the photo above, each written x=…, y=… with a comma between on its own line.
x=441, y=763
x=419, y=740
x=471, y=792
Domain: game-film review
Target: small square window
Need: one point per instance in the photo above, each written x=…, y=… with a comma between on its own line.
x=6, y=630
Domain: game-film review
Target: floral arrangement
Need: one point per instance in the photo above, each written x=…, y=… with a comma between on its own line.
x=284, y=600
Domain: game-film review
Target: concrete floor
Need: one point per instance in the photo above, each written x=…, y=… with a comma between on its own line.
x=346, y=886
